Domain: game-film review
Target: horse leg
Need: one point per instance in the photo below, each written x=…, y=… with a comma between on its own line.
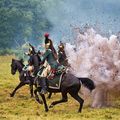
x=31, y=88
x=36, y=96
x=19, y=86
x=49, y=96
x=64, y=99
x=44, y=101
x=79, y=99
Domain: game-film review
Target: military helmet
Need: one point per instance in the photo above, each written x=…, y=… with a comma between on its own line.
x=61, y=46
x=46, y=35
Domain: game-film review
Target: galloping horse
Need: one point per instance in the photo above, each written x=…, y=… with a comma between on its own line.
x=17, y=65
x=23, y=76
x=69, y=84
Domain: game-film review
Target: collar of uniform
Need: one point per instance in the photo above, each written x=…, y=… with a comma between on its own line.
x=49, y=49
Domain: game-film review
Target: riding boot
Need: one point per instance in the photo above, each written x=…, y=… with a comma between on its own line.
x=43, y=85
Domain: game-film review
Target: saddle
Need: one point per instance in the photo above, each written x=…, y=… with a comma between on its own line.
x=55, y=81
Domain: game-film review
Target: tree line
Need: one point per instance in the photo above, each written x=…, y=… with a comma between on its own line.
x=22, y=21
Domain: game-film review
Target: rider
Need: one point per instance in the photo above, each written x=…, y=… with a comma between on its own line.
x=62, y=58
x=33, y=65
x=50, y=56
x=50, y=43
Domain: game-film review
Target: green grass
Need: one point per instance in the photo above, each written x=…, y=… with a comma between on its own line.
x=22, y=107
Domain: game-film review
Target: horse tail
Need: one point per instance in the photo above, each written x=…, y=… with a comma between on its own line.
x=88, y=83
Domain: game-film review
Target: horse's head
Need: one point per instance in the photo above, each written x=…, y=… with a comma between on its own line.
x=34, y=60
x=13, y=67
x=16, y=65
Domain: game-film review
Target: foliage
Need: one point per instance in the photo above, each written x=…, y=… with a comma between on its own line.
x=21, y=21
x=17, y=52
x=6, y=51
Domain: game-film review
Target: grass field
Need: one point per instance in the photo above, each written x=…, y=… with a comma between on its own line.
x=22, y=107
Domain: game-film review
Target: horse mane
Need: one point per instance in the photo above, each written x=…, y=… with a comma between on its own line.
x=20, y=61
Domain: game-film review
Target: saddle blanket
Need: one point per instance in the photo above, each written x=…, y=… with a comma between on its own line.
x=56, y=82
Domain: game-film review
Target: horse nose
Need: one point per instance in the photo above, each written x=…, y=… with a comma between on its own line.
x=12, y=72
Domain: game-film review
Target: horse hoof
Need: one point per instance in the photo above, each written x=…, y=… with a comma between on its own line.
x=32, y=96
x=79, y=111
x=46, y=110
x=48, y=97
x=41, y=102
x=51, y=106
x=11, y=95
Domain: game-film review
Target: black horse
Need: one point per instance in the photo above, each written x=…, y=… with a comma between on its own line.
x=23, y=76
x=17, y=65
x=70, y=84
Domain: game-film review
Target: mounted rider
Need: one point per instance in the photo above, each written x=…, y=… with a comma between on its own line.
x=50, y=56
x=51, y=53
x=49, y=43
x=62, y=58
x=33, y=66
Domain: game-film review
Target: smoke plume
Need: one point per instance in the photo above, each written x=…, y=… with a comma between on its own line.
x=90, y=54
x=98, y=58
x=66, y=14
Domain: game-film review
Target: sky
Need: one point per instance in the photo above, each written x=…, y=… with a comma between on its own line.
x=105, y=14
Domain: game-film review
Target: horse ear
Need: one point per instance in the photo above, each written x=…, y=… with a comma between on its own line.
x=21, y=60
x=13, y=59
